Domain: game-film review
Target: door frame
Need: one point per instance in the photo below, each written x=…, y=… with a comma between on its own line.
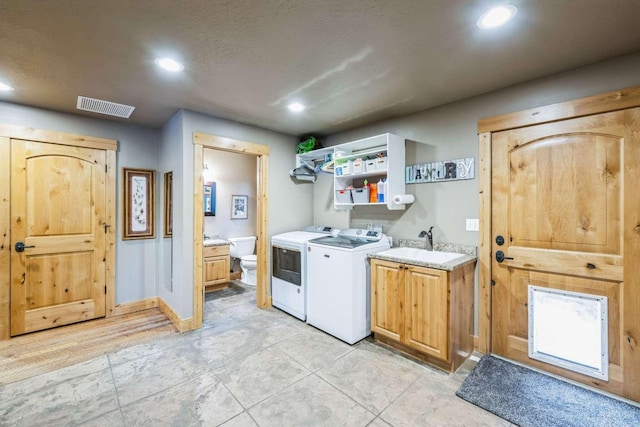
x=9, y=132
x=261, y=152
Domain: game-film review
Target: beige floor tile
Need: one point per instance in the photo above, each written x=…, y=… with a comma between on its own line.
x=372, y=379
x=313, y=349
x=69, y=402
x=258, y=376
x=156, y=372
x=242, y=420
x=201, y=401
x=310, y=402
x=432, y=403
x=110, y=419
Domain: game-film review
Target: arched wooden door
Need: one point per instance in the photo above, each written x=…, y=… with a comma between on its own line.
x=58, y=235
x=565, y=212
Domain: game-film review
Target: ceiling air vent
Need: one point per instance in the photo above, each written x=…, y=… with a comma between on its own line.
x=104, y=107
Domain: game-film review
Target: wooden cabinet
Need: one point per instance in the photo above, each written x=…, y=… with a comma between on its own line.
x=425, y=312
x=216, y=267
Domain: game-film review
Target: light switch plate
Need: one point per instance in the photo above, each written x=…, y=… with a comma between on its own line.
x=473, y=224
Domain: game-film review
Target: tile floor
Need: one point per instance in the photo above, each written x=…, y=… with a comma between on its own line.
x=245, y=367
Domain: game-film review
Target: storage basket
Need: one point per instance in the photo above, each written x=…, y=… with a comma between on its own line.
x=343, y=196
x=360, y=195
x=381, y=163
x=370, y=166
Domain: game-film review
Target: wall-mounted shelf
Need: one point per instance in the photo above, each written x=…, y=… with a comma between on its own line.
x=387, y=146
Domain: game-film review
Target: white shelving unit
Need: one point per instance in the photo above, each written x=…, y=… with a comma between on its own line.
x=388, y=145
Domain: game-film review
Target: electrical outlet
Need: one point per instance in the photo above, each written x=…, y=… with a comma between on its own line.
x=473, y=224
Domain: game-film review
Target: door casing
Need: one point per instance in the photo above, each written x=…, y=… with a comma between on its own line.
x=261, y=152
x=9, y=132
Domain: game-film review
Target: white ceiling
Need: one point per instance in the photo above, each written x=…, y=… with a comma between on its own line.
x=351, y=62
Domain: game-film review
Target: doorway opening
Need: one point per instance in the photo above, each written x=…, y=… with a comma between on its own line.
x=261, y=154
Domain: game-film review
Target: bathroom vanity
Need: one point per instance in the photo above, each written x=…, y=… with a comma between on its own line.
x=216, y=265
x=422, y=304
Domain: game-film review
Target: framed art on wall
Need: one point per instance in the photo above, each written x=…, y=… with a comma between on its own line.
x=139, y=206
x=239, y=207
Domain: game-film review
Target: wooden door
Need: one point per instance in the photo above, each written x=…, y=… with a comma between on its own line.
x=427, y=311
x=58, y=213
x=387, y=296
x=565, y=201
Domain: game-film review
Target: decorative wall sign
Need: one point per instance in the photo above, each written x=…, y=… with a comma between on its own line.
x=448, y=170
x=139, y=205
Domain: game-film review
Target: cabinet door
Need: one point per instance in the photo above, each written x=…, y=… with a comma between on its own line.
x=216, y=270
x=427, y=311
x=387, y=295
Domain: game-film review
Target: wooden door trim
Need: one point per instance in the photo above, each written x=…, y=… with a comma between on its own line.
x=5, y=237
x=7, y=132
x=484, y=245
x=603, y=103
x=55, y=137
x=202, y=141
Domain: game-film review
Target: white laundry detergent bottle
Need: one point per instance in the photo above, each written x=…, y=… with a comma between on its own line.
x=381, y=190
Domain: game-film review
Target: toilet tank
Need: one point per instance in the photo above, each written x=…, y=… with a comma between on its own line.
x=241, y=246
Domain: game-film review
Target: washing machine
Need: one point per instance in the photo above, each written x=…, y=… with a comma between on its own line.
x=338, y=286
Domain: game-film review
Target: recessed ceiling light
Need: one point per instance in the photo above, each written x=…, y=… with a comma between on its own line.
x=497, y=16
x=5, y=87
x=169, y=64
x=296, y=106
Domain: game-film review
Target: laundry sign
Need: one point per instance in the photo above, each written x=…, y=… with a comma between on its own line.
x=448, y=170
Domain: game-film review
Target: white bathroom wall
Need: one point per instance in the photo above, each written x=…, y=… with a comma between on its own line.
x=234, y=174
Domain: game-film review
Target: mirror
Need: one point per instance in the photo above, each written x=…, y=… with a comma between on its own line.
x=167, y=243
x=210, y=199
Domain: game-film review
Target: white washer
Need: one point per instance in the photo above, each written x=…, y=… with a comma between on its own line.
x=338, y=289
x=289, y=270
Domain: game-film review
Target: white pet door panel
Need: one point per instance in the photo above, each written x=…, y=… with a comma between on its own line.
x=569, y=329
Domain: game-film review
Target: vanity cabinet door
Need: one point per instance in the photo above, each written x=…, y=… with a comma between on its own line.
x=387, y=295
x=427, y=311
x=216, y=270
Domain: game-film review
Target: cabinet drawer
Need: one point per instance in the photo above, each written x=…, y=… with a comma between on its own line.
x=210, y=251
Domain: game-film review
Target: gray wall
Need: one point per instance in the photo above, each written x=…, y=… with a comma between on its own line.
x=290, y=204
x=136, y=260
x=450, y=132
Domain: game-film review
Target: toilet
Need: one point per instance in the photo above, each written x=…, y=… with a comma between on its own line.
x=242, y=248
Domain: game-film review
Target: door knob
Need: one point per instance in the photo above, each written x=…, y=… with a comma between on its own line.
x=500, y=256
x=20, y=247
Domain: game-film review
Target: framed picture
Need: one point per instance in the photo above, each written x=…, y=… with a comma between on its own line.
x=209, y=199
x=139, y=205
x=168, y=204
x=239, y=207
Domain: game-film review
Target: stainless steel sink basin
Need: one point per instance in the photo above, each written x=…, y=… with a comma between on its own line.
x=215, y=242
x=421, y=255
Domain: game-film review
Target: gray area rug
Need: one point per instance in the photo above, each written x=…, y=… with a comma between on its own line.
x=531, y=399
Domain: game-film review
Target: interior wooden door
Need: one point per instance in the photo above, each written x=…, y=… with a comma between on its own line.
x=566, y=215
x=58, y=214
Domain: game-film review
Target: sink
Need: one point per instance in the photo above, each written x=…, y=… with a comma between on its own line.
x=215, y=242
x=421, y=255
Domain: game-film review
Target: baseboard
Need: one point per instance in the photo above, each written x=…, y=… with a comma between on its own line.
x=131, y=307
x=182, y=325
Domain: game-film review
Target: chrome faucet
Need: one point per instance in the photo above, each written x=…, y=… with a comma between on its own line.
x=429, y=236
